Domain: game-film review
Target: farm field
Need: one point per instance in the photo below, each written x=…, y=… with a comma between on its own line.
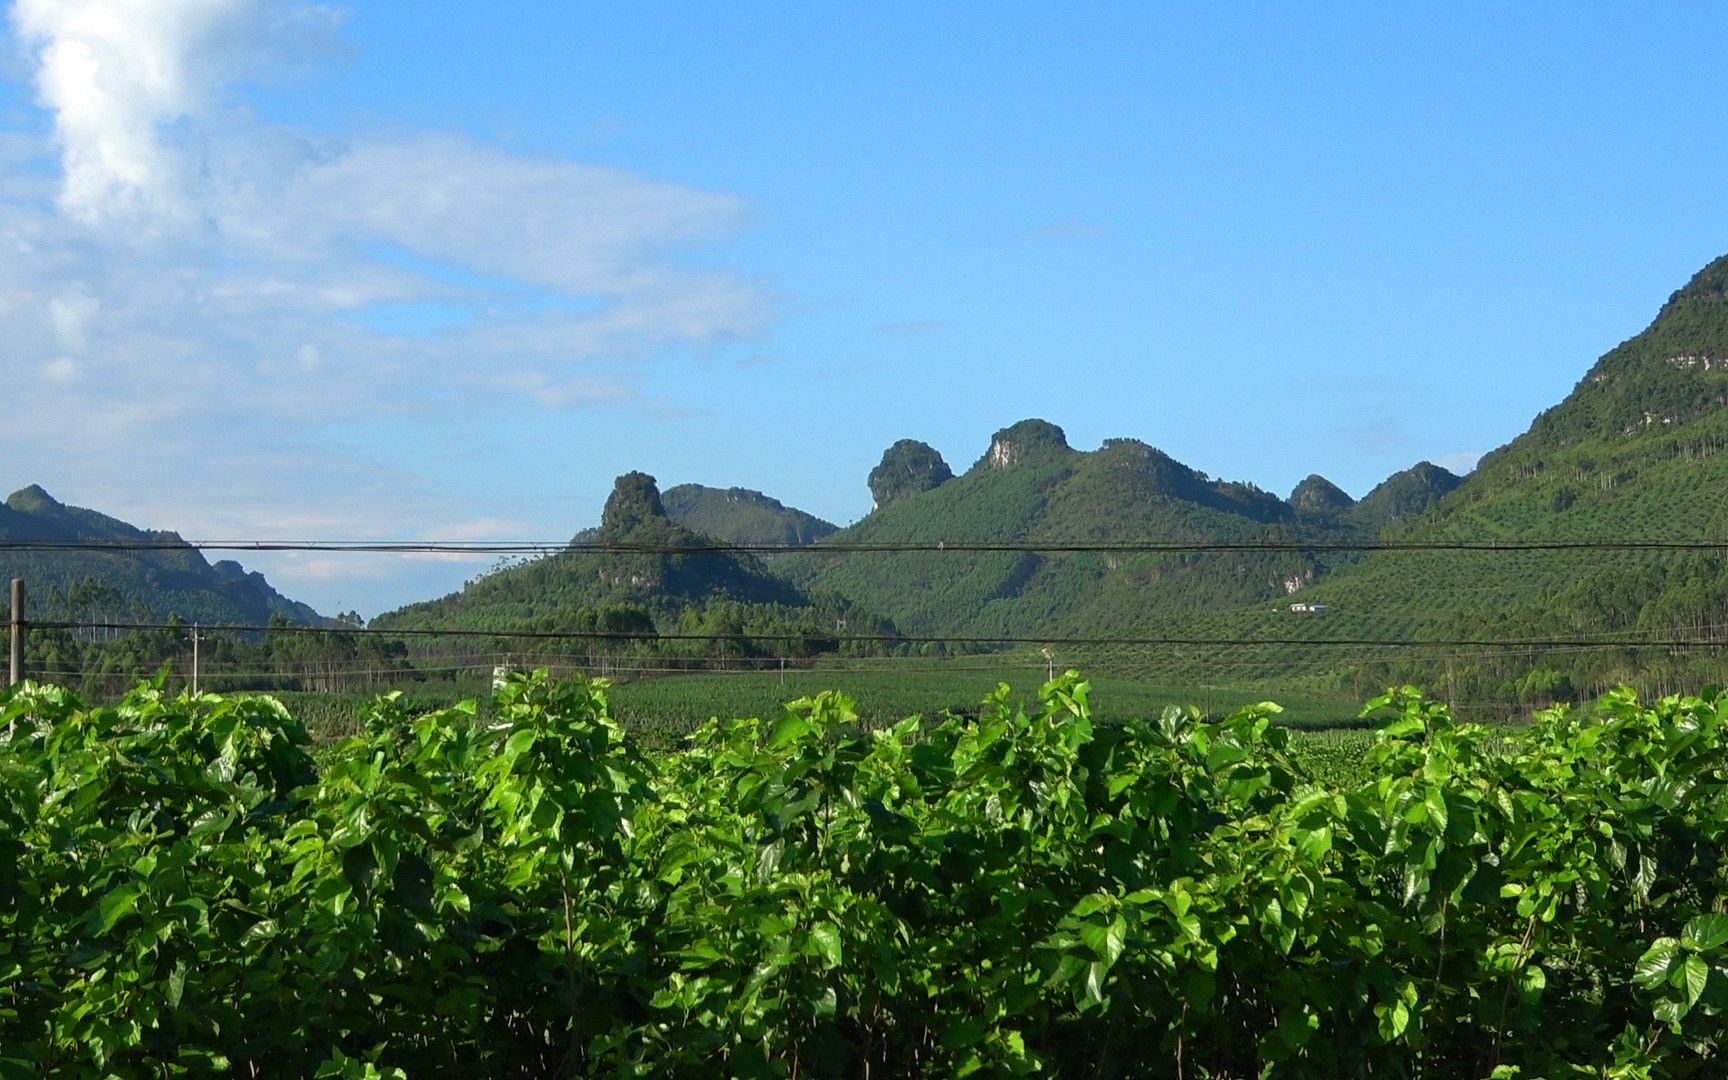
x=884, y=697
x=665, y=706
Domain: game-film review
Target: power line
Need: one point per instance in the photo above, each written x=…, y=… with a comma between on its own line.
x=1150, y=547
x=1581, y=641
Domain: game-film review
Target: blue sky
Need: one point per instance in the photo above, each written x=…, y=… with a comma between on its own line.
x=443, y=270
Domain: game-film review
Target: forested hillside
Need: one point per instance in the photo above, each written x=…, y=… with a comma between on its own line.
x=1633, y=453
x=131, y=586
x=1031, y=486
x=642, y=593
x=741, y=516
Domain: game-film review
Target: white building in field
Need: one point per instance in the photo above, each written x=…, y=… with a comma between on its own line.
x=1304, y=606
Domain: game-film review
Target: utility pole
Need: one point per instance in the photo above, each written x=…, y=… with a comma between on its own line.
x=17, y=631
x=194, y=659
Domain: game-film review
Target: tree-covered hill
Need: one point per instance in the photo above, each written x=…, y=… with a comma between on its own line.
x=741, y=516
x=1403, y=494
x=1633, y=453
x=708, y=592
x=146, y=586
x=1030, y=485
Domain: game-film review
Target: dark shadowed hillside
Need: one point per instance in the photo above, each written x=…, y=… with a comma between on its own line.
x=133, y=586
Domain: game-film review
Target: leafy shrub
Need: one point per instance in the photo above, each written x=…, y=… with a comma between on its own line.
x=526, y=892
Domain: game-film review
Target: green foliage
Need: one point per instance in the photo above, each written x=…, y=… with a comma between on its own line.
x=741, y=516
x=1318, y=496
x=1404, y=494
x=127, y=586
x=640, y=595
x=1032, y=487
x=906, y=468
x=521, y=890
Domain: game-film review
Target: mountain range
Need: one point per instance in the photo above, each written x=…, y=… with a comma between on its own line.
x=1634, y=451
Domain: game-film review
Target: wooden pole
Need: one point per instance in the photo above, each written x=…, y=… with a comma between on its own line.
x=17, y=631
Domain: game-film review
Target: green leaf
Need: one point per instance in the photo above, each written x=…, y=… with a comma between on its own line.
x=1697, y=974
x=1394, y=1018
x=789, y=729
x=1645, y=879
x=1670, y=1011
x=1116, y=938
x=1435, y=800
x=1532, y=980
x=1705, y=932
x=116, y=904
x=1651, y=972
x=1093, y=987
x=826, y=937
x=1105, y=941
x=1403, y=728
x=176, y=987
x=826, y=1003
x=1312, y=844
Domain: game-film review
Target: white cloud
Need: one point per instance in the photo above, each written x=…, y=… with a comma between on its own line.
x=71, y=314
x=193, y=235
x=562, y=393
x=188, y=267
x=115, y=73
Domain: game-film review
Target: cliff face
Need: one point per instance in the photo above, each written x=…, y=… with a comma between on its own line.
x=635, y=499
x=1023, y=443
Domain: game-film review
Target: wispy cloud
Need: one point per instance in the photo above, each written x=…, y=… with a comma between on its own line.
x=169, y=262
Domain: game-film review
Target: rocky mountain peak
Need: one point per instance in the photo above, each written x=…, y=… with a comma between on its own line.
x=907, y=467
x=1318, y=495
x=635, y=499
x=1014, y=444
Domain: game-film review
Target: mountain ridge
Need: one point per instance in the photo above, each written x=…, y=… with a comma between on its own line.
x=130, y=585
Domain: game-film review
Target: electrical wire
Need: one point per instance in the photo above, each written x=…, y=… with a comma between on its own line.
x=542, y=547
x=1176, y=641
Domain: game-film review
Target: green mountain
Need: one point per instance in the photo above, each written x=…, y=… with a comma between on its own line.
x=1635, y=452
x=740, y=516
x=713, y=592
x=1030, y=485
x=907, y=467
x=128, y=586
x=1320, y=497
x=1402, y=495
